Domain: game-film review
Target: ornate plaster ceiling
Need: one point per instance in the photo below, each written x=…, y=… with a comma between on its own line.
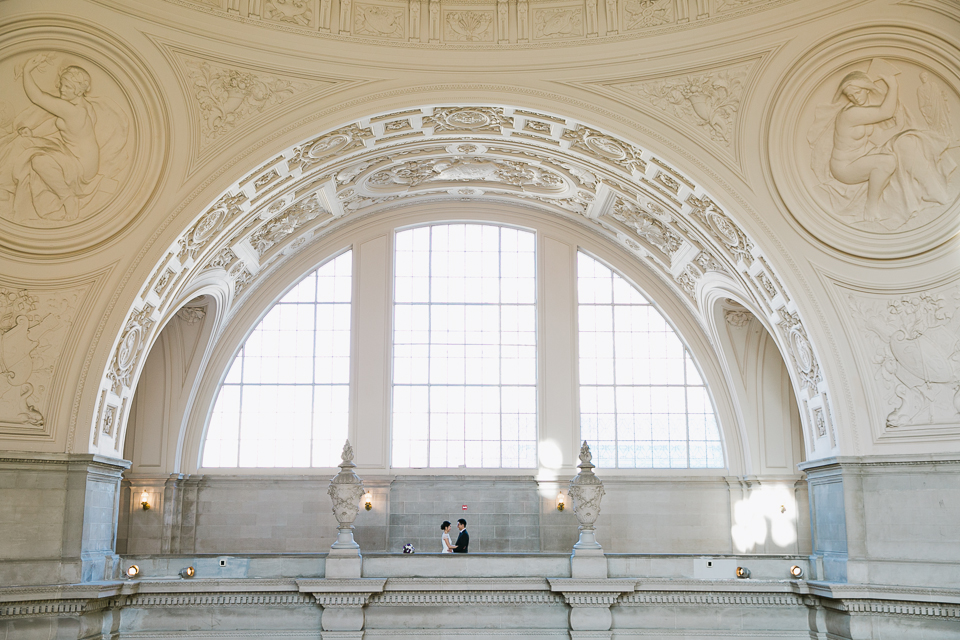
x=605, y=184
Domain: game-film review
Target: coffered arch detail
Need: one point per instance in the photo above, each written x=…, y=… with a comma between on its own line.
x=629, y=195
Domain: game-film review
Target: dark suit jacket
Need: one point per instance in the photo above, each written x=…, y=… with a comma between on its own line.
x=463, y=542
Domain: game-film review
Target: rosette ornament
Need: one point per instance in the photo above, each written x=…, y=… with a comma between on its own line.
x=346, y=489
x=586, y=490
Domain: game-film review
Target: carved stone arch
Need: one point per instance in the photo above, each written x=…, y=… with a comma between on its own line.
x=608, y=185
x=165, y=387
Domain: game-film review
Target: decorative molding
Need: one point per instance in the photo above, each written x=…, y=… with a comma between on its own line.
x=228, y=95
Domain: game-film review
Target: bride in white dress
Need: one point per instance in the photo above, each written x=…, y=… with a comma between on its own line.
x=445, y=538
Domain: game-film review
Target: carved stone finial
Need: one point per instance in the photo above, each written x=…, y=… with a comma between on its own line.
x=345, y=491
x=585, y=455
x=347, y=455
x=586, y=490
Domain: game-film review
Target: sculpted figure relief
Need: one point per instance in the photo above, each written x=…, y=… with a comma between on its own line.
x=917, y=354
x=64, y=155
x=877, y=165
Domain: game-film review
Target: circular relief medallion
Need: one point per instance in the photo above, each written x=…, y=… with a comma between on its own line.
x=802, y=350
x=74, y=124
x=870, y=160
x=468, y=119
x=208, y=225
x=127, y=352
x=724, y=229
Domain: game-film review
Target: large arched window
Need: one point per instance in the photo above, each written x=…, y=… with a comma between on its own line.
x=284, y=402
x=643, y=403
x=452, y=369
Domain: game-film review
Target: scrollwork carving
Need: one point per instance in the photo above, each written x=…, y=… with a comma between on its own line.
x=289, y=221
x=804, y=360
x=329, y=145
x=647, y=227
x=474, y=119
x=131, y=345
x=721, y=227
x=205, y=229
x=605, y=148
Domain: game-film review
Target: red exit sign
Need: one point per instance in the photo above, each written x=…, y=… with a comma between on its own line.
x=464, y=507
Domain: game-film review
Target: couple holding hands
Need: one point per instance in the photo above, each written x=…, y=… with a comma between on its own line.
x=463, y=540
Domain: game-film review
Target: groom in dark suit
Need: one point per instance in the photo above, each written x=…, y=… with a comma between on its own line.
x=463, y=540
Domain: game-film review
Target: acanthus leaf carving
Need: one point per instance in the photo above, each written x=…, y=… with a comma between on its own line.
x=292, y=218
x=468, y=26
x=719, y=225
x=192, y=315
x=648, y=227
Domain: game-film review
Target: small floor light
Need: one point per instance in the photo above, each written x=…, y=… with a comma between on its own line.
x=368, y=501
x=144, y=500
x=561, y=501
x=796, y=572
x=743, y=572
x=188, y=572
x=133, y=571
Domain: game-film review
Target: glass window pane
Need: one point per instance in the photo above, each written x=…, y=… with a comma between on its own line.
x=643, y=403
x=469, y=343
x=285, y=400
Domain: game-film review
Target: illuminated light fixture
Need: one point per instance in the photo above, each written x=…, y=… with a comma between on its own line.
x=144, y=500
x=796, y=572
x=743, y=572
x=368, y=501
x=561, y=501
x=133, y=571
x=188, y=572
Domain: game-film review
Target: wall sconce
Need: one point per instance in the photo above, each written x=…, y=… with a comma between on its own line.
x=133, y=571
x=796, y=572
x=561, y=501
x=188, y=572
x=368, y=500
x=144, y=500
x=743, y=572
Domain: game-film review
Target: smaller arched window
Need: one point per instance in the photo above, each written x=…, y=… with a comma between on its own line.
x=643, y=403
x=285, y=400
